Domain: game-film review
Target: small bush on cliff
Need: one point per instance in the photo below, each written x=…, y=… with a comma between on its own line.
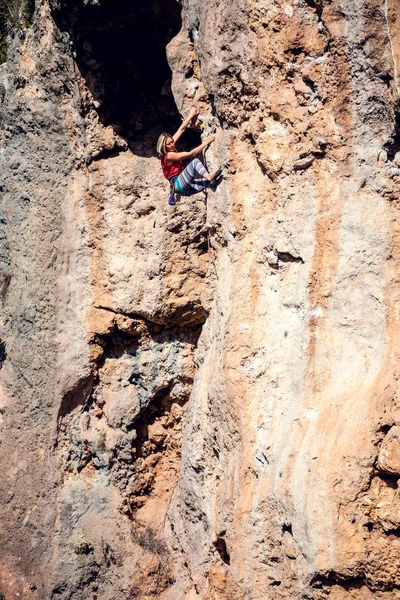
x=153, y=543
x=15, y=15
x=149, y=540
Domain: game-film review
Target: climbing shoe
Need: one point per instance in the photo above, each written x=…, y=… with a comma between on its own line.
x=216, y=175
x=215, y=180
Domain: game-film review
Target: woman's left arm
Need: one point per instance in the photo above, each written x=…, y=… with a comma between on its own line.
x=193, y=113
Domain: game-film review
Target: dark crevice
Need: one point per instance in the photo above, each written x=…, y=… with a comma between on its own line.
x=394, y=532
x=220, y=546
x=385, y=429
x=389, y=478
x=194, y=30
x=215, y=452
x=286, y=257
x=159, y=406
x=214, y=112
x=294, y=51
x=387, y=78
x=287, y=527
x=135, y=315
x=118, y=342
x=151, y=319
x=262, y=168
x=78, y=396
x=3, y=353
x=316, y=5
x=311, y=84
x=351, y=583
x=392, y=146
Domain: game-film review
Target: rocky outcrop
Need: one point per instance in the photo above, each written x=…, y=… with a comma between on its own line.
x=287, y=479
x=263, y=323
x=102, y=312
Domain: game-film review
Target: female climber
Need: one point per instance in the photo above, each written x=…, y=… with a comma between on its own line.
x=187, y=180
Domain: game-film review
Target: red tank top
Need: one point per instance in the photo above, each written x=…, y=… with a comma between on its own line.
x=171, y=170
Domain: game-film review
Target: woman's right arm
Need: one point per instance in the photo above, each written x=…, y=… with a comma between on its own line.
x=174, y=156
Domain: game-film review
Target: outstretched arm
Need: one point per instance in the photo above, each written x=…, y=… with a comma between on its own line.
x=193, y=113
x=173, y=156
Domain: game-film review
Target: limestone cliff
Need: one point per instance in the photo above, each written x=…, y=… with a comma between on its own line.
x=201, y=401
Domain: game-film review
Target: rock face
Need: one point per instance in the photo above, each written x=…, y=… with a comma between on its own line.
x=263, y=323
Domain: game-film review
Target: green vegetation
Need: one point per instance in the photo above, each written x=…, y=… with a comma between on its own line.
x=15, y=15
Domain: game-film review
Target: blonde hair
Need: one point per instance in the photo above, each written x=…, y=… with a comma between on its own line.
x=161, y=144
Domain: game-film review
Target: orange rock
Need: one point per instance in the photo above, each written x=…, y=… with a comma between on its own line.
x=389, y=453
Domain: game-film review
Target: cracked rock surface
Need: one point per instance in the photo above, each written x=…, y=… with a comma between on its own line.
x=201, y=401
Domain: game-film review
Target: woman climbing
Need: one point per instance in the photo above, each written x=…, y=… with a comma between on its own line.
x=184, y=180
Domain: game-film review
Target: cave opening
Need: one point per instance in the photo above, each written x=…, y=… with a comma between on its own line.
x=120, y=51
